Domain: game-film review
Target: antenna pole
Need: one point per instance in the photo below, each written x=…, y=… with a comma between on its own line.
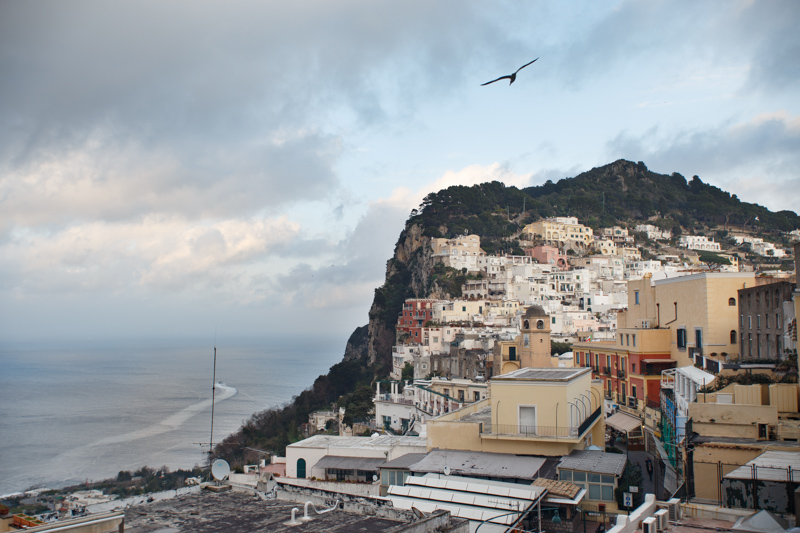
x=213, y=394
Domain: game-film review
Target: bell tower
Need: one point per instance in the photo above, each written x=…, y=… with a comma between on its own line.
x=535, y=338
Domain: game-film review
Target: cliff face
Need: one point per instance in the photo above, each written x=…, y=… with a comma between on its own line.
x=408, y=275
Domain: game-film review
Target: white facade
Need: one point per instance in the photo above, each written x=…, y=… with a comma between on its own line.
x=698, y=242
x=654, y=233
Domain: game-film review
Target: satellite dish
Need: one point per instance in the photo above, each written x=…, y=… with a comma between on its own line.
x=447, y=471
x=374, y=477
x=220, y=469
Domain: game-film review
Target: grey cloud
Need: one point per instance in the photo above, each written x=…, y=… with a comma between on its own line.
x=731, y=154
x=665, y=36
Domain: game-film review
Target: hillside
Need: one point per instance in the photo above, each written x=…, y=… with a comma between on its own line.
x=615, y=194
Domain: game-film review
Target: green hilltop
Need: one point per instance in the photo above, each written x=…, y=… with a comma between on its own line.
x=614, y=194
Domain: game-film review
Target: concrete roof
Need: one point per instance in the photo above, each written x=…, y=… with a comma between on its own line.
x=543, y=374
x=770, y=466
x=381, y=441
x=404, y=461
x=208, y=512
x=593, y=461
x=481, y=464
x=350, y=463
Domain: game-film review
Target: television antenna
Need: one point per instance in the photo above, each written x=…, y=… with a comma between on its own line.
x=210, y=442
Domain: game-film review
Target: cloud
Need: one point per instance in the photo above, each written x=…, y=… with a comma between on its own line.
x=764, y=149
x=157, y=254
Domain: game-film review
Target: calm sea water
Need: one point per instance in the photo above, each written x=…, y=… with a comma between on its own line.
x=86, y=410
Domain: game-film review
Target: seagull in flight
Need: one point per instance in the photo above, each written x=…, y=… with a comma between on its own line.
x=511, y=77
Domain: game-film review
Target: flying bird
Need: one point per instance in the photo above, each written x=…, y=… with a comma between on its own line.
x=511, y=77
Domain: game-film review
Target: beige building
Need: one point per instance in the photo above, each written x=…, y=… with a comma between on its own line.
x=531, y=411
x=531, y=349
x=735, y=425
x=561, y=231
x=700, y=310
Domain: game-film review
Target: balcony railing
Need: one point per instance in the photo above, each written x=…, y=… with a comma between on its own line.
x=606, y=371
x=621, y=374
x=547, y=432
x=596, y=370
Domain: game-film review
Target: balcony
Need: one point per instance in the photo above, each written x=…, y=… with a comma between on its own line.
x=543, y=432
x=595, y=370
x=621, y=374
x=606, y=371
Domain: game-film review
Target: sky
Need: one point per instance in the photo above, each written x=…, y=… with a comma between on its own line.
x=177, y=168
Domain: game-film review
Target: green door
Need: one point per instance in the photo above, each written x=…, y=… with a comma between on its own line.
x=301, y=468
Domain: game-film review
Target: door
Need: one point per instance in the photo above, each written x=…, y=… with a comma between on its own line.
x=527, y=419
x=301, y=468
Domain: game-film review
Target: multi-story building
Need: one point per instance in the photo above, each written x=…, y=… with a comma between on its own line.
x=670, y=322
x=561, y=231
x=531, y=411
x=762, y=319
x=416, y=313
x=698, y=242
x=654, y=233
x=460, y=252
x=617, y=234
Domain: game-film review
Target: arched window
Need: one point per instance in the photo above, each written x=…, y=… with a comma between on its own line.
x=540, y=324
x=301, y=468
x=733, y=336
x=526, y=324
x=732, y=301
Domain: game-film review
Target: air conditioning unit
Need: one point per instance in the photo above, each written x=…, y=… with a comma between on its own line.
x=650, y=525
x=662, y=517
x=674, y=506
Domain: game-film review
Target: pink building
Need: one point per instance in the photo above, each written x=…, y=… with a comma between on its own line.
x=547, y=255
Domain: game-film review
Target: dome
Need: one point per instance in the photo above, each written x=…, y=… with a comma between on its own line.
x=535, y=310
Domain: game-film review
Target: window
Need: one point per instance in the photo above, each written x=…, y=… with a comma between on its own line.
x=461, y=396
x=512, y=353
x=628, y=339
x=766, y=320
x=681, y=338
x=540, y=324
x=634, y=340
x=633, y=368
x=621, y=343
x=698, y=338
x=777, y=321
x=741, y=321
x=477, y=396
x=750, y=321
x=732, y=301
x=636, y=297
x=733, y=336
x=553, y=320
x=633, y=391
x=758, y=321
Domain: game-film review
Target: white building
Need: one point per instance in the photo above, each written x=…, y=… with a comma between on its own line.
x=654, y=233
x=459, y=253
x=698, y=242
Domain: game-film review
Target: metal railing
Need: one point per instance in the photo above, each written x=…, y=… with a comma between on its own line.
x=621, y=374
x=550, y=432
x=606, y=371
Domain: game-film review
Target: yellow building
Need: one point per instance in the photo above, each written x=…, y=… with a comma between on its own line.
x=700, y=310
x=531, y=411
x=561, y=231
x=531, y=348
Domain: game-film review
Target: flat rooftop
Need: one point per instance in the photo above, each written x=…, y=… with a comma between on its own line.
x=208, y=512
x=380, y=441
x=543, y=374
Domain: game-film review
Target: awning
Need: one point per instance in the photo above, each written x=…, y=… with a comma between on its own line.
x=623, y=422
x=350, y=463
x=665, y=361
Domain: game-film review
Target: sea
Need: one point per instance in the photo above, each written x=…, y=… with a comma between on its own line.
x=78, y=411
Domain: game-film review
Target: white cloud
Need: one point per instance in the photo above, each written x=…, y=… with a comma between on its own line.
x=157, y=254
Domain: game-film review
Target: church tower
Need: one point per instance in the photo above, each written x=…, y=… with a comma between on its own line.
x=535, y=342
